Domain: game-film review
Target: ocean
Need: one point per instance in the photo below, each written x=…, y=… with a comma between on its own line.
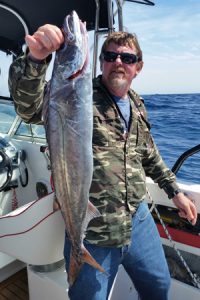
x=175, y=121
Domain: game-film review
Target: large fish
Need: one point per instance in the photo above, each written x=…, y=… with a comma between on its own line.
x=68, y=119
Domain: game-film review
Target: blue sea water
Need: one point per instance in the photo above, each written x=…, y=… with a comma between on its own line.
x=175, y=121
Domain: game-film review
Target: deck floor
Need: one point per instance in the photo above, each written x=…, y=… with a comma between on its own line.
x=15, y=287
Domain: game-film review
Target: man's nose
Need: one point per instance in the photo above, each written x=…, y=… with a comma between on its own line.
x=118, y=60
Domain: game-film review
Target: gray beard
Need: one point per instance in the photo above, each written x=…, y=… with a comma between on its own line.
x=118, y=83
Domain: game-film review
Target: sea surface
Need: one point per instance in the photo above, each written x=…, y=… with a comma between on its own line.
x=175, y=121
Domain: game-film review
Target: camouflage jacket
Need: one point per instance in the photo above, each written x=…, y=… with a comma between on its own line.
x=121, y=161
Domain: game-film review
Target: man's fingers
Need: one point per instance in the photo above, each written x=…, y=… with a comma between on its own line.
x=194, y=213
x=44, y=40
x=47, y=38
x=32, y=42
x=191, y=217
x=51, y=36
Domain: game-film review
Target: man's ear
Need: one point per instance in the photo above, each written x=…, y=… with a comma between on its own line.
x=139, y=67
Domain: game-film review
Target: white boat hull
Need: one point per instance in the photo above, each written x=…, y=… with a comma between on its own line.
x=53, y=285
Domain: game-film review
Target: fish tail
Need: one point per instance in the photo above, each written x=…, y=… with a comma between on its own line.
x=87, y=258
x=74, y=269
x=75, y=265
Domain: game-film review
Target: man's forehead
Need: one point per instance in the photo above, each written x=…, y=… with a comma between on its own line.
x=124, y=46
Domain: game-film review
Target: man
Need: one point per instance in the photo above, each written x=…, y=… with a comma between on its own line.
x=124, y=153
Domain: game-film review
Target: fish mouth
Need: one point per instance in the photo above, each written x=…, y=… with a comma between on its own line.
x=75, y=40
x=72, y=27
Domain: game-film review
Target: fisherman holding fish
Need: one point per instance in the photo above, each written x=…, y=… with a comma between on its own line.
x=124, y=152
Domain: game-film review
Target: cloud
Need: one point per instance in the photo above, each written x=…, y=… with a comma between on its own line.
x=169, y=37
x=165, y=23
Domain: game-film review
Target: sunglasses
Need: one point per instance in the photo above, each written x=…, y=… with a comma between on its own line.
x=127, y=58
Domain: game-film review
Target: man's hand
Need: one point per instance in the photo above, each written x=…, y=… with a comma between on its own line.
x=44, y=41
x=187, y=208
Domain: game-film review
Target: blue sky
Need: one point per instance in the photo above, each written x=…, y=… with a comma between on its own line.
x=169, y=37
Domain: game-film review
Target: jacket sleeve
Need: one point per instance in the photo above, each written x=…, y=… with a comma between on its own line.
x=156, y=168
x=27, y=85
x=152, y=161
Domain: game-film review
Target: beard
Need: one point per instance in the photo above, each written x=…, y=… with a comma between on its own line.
x=117, y=80
x=118, y=83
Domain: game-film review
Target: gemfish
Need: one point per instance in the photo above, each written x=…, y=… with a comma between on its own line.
x=68, y=120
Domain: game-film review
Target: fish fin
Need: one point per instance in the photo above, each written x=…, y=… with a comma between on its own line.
x=76, y=264
x=56, y=204
x=92, y=212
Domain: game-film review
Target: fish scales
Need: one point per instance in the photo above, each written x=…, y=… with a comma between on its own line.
x=68, y=119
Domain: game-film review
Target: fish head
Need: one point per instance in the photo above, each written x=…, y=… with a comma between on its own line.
x=72, y=55
x=72, y=29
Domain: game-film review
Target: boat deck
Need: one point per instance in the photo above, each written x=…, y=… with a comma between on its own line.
x=15, y=287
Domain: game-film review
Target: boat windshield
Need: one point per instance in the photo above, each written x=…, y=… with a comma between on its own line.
x=7, y=116
x=20, y=129
x=30, y=130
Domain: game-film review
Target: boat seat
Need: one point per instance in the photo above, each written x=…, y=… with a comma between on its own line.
x=33, y=233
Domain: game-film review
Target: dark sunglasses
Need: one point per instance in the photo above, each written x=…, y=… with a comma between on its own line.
x=127, y=58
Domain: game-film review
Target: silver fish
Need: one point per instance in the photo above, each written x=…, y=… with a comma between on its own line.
x=68, y=119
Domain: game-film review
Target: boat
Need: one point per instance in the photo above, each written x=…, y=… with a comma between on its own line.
x=31, y=233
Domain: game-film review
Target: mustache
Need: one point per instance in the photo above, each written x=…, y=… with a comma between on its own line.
x=118, y=70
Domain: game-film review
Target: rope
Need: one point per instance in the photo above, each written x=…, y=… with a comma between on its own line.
x=194, y=277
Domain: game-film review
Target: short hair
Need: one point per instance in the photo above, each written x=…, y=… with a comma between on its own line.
x=122, y=38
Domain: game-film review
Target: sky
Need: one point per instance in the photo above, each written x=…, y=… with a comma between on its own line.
x=169, y=36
